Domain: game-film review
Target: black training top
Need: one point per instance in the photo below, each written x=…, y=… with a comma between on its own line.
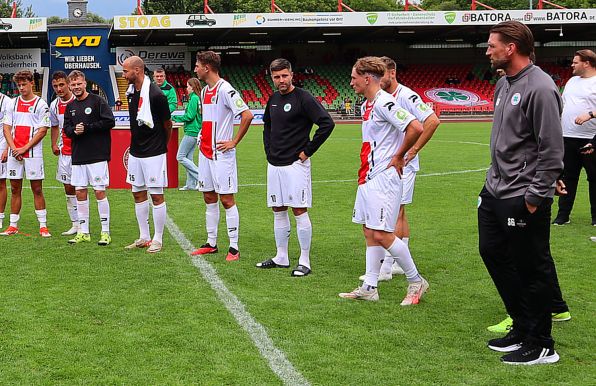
x=94, y=145
x=288, y=121
x=144, y=141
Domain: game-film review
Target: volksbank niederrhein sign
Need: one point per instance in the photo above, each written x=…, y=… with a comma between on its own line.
x=352, y=19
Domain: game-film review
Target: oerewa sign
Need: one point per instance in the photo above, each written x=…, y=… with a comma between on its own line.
x=78, y=41
x=155, y=56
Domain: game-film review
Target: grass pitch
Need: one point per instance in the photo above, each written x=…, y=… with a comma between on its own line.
x=86, y=314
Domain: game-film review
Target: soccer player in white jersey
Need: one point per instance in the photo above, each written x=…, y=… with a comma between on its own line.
x=62, y=146
x=217, y=151
x=5, y=104
x=25, y=125
x=388, y=132
x=410, y=101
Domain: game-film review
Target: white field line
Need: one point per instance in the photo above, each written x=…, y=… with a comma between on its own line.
x=276, y=358
x=350, y=180
x=354, y=180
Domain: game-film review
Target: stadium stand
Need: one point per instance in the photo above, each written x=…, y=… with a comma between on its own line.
x=330, y=84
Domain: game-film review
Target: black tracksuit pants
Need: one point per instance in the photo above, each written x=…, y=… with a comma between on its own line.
x=515, y=248
x=573, y=162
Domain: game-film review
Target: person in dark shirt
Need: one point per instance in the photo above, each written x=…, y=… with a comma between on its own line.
x=150, y=127
x=289, y=117
x=87, y=121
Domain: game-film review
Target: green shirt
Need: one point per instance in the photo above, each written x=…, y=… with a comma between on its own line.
x=170, y=93
x=192, y=118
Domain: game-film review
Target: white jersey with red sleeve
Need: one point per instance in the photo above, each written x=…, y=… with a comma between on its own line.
x=221, y=103
x=383, y=127
x=26, y=118
x=57, y=109
x=411, y=101
x=6, y=104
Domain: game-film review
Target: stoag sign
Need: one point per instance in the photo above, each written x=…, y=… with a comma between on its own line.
x=127, y=22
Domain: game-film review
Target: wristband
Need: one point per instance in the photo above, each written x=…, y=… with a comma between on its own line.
x=591, y=114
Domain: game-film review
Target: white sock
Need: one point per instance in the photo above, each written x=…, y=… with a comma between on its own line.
x=83, y=215
x=71, y=207
x=304, y=230
x=387, y=263
x=374, y=255
x=233, y=223
x=159, y=221
x=211, y=221
x=103, y=207
x=42, y=217
x=406, y=241
x=142, y=213
x=281, y=230
x=1, y=220
x=14, y=220
x=401, y=254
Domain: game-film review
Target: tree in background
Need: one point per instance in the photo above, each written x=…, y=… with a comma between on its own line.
x=461, y=5
x=6, y=9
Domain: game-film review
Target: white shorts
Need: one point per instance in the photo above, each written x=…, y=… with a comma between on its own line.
x=95, y=174
x=219, y=175
x=289, y=185
x=150, y=172
x=378, y=200
x=3, y=168
x=32, y=167
x=64, y=169
x=408, y=179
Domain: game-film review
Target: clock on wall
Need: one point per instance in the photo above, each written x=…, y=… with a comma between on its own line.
x=77, y=12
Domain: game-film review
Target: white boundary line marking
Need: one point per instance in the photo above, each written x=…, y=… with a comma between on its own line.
x=350, y=180
x=276, y=358
x=354, y=180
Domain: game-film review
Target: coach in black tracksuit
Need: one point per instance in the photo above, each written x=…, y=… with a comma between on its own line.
x=288, y=121
x=514, y=206
x=97, y=118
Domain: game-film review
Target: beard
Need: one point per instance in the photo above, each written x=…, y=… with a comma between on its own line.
x=499, y=64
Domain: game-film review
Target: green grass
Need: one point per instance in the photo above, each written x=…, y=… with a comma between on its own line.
x=89, y=315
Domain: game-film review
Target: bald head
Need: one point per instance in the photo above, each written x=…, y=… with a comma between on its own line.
x=133, y=70
x=133, y=62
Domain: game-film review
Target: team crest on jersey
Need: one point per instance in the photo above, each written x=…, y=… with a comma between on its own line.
x=88, y=110
x=287, y=107
x=239, y=103
x=515, y=99
x=401, y=115
x=31, y=109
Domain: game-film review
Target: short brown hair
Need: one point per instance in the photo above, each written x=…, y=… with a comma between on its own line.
x=195, y=84
x=587, y=56
x=517, y=33
x=23, y=76
x=210, y=59
x=390, y=63
x=370, y=65
x=159, y=70
x=280, y=64
x=59, y=75
x=76, y=74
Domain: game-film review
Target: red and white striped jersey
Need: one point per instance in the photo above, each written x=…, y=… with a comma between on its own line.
x=411, y=101
x=5, y=105
x=383, y=127
x=57, y=109
x=26, y=118
x=220, y=105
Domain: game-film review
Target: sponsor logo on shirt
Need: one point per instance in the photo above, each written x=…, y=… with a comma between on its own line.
x=88, y=110
x=287, y=107
x=239, y=103
x=401, y=115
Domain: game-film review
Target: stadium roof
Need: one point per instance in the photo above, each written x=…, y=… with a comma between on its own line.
x=358, y=27
x=23, y=32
